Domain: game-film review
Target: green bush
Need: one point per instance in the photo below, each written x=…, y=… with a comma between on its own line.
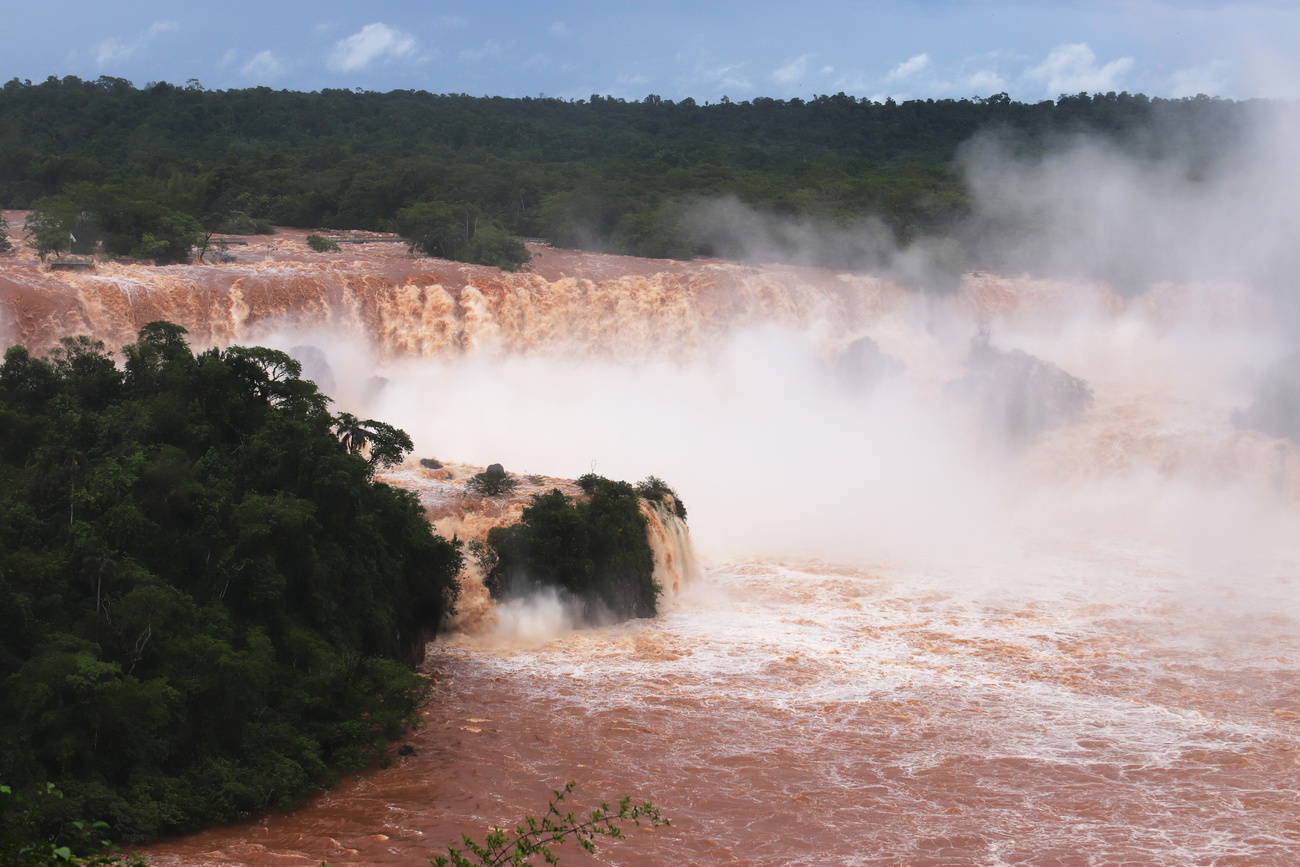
x=34, y=833
x=460, y=233
x=534, y=837
x=322, y=245
x=493, y=482
x=655, y=489
x=594, y=549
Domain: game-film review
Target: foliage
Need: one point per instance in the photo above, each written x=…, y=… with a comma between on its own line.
x=6, y=246
x=656, y=489
x=322, y=245
x=52, y=228
x=207, y=605
x=431, y=463
x=460, y=233
x=132, y=220
x=534, y=837
x=599, y=173
x=382, y=444
x=77, y=842
x=493, y=482
x=594, y=549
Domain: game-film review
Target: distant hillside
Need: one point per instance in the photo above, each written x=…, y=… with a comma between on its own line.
x=600, y=174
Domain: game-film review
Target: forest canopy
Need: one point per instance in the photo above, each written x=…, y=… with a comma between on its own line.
x=465, y=177
x=208, y=606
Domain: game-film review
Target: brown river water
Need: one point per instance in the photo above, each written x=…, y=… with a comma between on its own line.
x=907, y=645
x=801, y=714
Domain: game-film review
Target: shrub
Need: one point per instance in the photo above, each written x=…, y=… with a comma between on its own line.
x=535, y=837
x=655, y=489
x=493, y=482
x=322, y=245
x=594, y=549
x=431, y=463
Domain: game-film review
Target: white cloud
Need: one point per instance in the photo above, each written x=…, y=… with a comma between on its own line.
x=115, y=50
x=911, y=66
x=705, y=77
x=370, y=43
x=792, y=71
x=264, y=65
x=728, y=77
x=558, y=28
x=985, y=82
x=1211, y=80
x=111, y=51
x=1073, y=69
x=487, y=51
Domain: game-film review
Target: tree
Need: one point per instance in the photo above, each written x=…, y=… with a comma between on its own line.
x=78, y=843
x=461, y=233
x=6, y=245
x=128, y=220
x=534, y=837
x=207, y=605
x=493, y=482
x=433, y=229
x=56, y=224
x=384, y=444
x=594, y=548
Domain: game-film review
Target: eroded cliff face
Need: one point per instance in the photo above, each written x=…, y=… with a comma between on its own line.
x=412, y=306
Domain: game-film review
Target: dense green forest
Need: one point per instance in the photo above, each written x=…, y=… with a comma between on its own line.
x=208, y=607
x=460, y=175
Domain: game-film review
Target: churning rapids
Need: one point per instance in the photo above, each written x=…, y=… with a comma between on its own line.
x=921, y=635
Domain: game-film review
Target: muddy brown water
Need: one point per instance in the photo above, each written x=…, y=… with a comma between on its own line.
x=804, y=714
x=1121, y=702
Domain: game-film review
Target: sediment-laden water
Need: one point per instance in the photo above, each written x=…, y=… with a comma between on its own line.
x=932, y=627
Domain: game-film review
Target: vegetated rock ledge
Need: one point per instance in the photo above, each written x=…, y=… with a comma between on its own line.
x=458, y=512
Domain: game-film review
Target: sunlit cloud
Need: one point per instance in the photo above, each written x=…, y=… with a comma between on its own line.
x=489, y=50
x=1074, y=69
x=264, y=65
x=1210, y=79
x=373, y=42
x=909, y=67
x=985, y=82
x=113, y=50
x=792, y=72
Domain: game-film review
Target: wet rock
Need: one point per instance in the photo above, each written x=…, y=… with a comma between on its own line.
x=1276, y=407
x=862, y=365
x=1017, y=396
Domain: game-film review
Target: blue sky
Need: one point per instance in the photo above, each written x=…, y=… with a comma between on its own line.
x=674, y=48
